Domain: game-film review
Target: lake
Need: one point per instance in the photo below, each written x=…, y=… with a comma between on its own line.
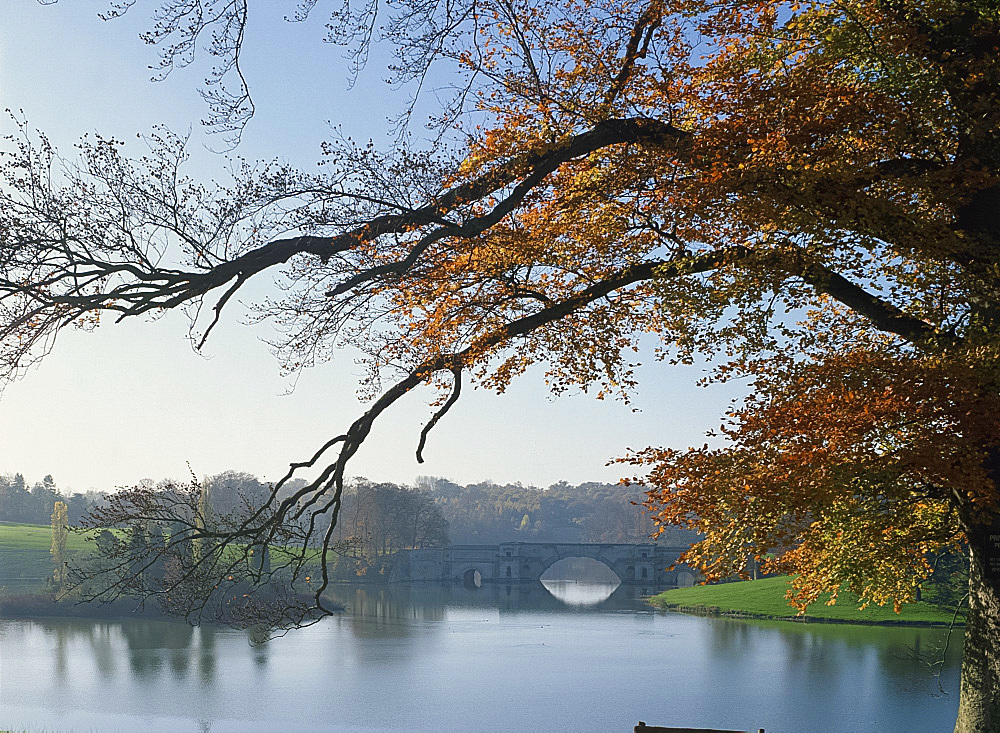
x=562, y=656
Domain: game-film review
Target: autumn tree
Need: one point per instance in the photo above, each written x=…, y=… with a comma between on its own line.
x=807, y=192
x=379, y=519
x=60, y=532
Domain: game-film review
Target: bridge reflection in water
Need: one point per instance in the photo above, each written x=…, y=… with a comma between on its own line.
x=573, y=593
x=390, y=610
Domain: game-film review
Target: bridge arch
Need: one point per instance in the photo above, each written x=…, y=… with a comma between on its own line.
x=556, y=554
x=472, y=578
x=564, y=568
x=684, y=578
x=631, y=563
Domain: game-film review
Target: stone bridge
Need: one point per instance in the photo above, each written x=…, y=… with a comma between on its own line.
x=515, y=562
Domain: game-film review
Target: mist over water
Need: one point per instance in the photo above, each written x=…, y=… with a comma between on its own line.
x=564, y=655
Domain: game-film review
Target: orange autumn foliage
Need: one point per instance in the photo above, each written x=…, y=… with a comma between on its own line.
x=843, y=468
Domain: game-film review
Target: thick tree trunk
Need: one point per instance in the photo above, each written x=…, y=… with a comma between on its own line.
x=979, y=700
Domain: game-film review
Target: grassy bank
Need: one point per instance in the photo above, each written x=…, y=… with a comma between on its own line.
x=35, y=537
x=26, y=569
x=765, y=598
x=25, y=559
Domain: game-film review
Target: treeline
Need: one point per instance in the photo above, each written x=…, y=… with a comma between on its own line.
x=229, y=490
x=383, y=517
x=378, y=519
x=489, y=513
x=386, y=517
x=34, y=504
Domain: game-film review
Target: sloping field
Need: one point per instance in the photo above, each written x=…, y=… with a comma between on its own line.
x=25, y=553
x=35, y=537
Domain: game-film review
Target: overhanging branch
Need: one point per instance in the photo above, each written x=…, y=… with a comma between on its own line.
x=883, y=315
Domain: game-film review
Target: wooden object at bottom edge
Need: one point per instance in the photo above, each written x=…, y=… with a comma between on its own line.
x=643, y=728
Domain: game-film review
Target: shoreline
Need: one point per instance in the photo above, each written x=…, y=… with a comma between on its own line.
x=41, y=607
x=765, y=600
x=715, y=611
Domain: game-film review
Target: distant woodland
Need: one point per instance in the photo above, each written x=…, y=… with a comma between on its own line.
x=33, y=504
x=386, y=517
x=378, y=519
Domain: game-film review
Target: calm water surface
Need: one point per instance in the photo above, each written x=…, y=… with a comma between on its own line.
x=565, y=657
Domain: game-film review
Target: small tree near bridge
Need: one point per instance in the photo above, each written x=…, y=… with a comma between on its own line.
x=60, y=532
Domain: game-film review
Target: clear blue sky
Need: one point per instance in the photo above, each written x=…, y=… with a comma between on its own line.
x=133, y=401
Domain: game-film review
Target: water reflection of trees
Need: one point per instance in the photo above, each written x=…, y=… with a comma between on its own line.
x=206, y=654
x=394, y=612
x=155, y=645
x=841, y=659
x=98, y=636
x=103, y=652
x=150, y=647
x=825, y=651
x=386, y=611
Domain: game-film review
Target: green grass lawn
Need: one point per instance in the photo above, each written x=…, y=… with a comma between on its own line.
x=25, y=553
x=35, y=537
x=765, y=598
x=26, y=566
x=25, y=557
x=25, y=561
